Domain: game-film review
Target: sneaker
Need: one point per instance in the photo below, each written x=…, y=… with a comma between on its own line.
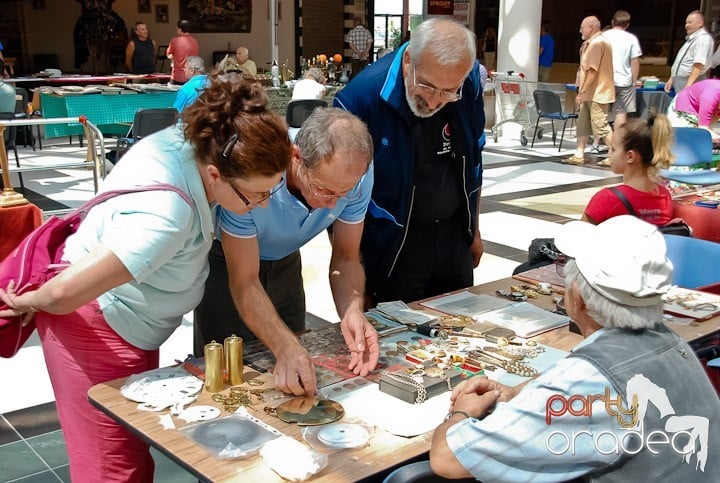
x=595, y=150
x=605, y=163
x=577, y=161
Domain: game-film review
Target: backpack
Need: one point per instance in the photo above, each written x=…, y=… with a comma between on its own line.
x=37, y=259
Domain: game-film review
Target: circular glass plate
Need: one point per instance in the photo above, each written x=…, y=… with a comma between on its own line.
x=218, y=434
x=343, y=435
x=337, y=436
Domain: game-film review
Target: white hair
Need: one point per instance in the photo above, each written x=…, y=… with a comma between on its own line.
x=609, y=313
x=448, y=41
x=196, y=64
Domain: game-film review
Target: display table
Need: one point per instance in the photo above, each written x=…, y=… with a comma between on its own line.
x=646, y=98
x=383, y=452
x=704, y=221
x=16, y=222
x=83, y=80
x=105, y=111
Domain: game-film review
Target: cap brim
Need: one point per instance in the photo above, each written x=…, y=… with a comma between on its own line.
x=574, y=237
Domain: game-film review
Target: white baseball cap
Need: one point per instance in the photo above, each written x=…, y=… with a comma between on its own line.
x=623, y=258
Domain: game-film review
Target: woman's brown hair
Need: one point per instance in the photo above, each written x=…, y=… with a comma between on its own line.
x=231, y=105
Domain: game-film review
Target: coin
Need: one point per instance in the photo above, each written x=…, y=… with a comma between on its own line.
x=392, y=353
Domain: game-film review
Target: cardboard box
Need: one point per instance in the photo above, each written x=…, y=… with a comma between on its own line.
x=433, y=386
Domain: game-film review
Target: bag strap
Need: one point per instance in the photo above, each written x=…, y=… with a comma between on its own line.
x=102, y=197
x=624, y=201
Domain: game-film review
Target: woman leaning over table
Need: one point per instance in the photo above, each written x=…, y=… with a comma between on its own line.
x=139, y=262
x=639, y=148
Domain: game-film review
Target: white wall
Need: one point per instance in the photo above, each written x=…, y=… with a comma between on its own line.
x=51, y=30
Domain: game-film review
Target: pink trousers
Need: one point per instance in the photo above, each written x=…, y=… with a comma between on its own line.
x=81, y=350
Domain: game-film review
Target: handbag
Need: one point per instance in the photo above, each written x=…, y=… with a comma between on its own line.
x=541, y=252
x=676, y=226
x=37, y=259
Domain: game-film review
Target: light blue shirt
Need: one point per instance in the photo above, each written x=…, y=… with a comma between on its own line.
x=287, y=223
x=511, y=443
x=189, y=92
x=163, y=241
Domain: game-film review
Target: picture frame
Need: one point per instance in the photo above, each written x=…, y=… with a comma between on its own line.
x=161, y=14
x=144, y=6
x=231, y=16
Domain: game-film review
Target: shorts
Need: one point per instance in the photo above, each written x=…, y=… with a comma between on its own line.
x=624, y=99
x=593, y=119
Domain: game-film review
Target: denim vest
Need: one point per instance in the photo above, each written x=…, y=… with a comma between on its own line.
x=659, y=359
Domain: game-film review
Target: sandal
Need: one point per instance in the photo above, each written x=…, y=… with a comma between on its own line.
x=577, y=161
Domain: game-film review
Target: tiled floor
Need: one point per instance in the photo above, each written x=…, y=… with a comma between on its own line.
x=526, y=193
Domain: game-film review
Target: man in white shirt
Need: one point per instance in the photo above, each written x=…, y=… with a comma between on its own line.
x=626, y=54
x=693, y=59
x=312, y=86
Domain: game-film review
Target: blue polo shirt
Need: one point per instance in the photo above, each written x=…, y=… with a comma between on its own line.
x=287, y=223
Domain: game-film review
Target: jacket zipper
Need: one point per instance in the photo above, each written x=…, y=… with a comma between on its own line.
x=407, y=227
x=467, y=198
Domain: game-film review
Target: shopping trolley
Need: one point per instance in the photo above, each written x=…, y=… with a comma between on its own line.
x=513, y=98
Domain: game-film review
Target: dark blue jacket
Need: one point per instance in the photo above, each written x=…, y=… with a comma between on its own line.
x=377, y=96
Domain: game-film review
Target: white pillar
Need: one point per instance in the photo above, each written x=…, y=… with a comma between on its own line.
x=518, y=50
x=273, y=16
x=519, y=37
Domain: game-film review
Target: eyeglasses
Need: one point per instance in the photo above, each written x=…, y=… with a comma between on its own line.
x=326, y=195
x=449, y=96
x=560, y=262
x=225, y=153
x=261, y=196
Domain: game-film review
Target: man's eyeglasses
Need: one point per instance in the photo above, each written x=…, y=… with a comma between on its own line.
x=324, y=194
x=225, y=153
x=449, y=96
x=560, y=262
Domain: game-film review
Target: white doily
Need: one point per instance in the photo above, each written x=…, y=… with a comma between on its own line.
x=161, y=388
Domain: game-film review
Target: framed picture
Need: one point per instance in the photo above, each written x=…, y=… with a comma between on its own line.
x=226, y=16
x=144, y=6
x=161, y=14
x=38, y=5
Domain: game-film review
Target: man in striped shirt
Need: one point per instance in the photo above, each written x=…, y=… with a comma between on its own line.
x=630, y=402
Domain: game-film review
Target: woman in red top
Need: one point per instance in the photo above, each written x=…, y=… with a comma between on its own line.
x=639, y=148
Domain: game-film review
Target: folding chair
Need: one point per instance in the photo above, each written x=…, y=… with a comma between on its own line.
x=300, y=109
x=548, y=106
x=161, y=56
x=692, y=148
x=690, y=258
x=20, y=113
x=146, y=122
x=9, y=136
